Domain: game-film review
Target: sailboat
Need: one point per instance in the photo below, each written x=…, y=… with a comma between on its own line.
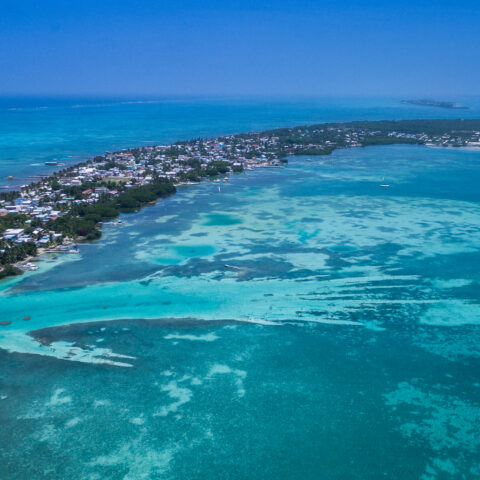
x=384, y=185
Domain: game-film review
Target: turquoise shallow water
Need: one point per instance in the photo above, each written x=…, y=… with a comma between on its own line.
x=302, y=322
x=35, y=130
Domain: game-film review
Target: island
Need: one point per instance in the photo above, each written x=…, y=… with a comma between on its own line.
x=70, y=205
x=436, y=103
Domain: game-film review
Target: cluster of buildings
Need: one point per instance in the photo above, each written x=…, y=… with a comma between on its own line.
x=30, y=204
x=445, y=140
x=183, y=162
x=40, y=236
x=452, y=140
x=41, y=202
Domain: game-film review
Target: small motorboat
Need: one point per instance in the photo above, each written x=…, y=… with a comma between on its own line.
x=385, y=185
x=29, y=267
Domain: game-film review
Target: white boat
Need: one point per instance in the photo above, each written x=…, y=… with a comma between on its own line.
x=384, y=185
x=29, y=267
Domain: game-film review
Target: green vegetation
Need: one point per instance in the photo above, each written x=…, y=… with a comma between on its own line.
x=321, y=131
x=13, y=220
x=75, y=191
x=9, y=196
x=213, y=169
x=9, y=271
x=15, y=253
x=436, y=103
x=82, y=220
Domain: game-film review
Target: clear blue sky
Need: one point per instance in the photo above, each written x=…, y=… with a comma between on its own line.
x=148, y=47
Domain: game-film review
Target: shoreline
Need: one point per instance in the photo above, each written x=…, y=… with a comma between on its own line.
x=102, y=188
x=57, y=249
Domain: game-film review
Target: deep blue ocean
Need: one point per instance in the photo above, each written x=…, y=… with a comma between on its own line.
x=69, y=130
x=298, y=322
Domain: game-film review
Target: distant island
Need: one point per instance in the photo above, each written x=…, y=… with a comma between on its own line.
x=437, y=104
x=70, y=205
